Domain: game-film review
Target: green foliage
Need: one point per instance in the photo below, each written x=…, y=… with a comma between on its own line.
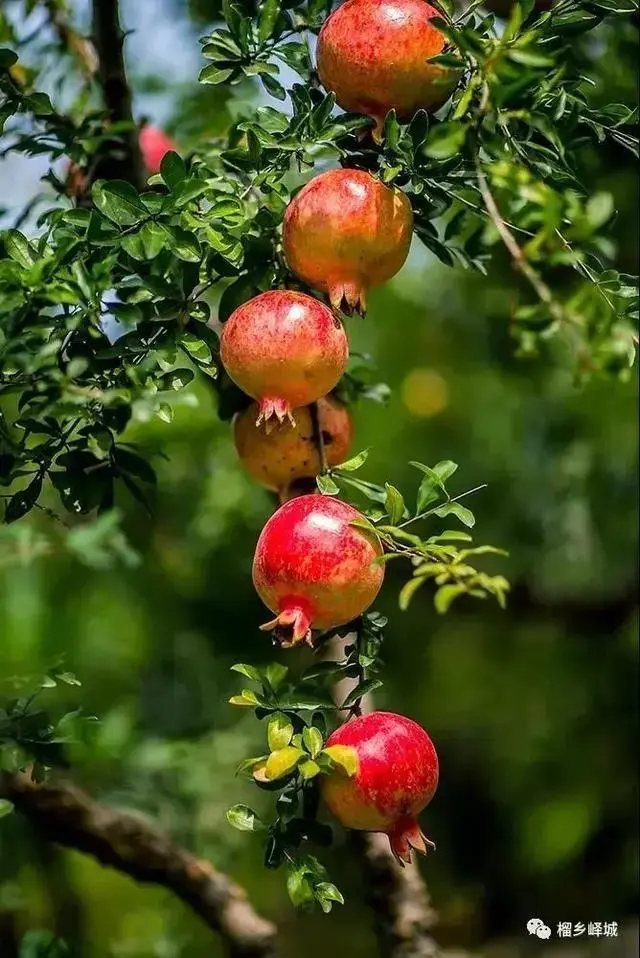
x=30, y=735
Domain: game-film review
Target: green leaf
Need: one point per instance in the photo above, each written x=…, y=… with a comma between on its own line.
x=445, y=140
x=370, y=685
x=19, y=248
x=185, y=245
x=329, y=892
x=173, y=169
x=408, y=590
x=299, y=888
x=326, y=485
x=445, y=596
x=119, y=202
x=344, y=757
x=275, y=674
x=465, y=515
x=247, y=699
x=353, y=464
x=6, y=808
x=214, y=75
x=599, y=209
x=282, y=762
x=309, y=769
x=245, y=819
x=394, y=503
x=249, y=671
x=279, y=732
x=313, y=741
x=269, y=12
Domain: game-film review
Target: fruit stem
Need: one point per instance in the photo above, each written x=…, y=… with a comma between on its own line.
x=318, y=438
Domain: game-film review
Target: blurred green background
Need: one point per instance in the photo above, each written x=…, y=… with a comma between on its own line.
x=533, y=710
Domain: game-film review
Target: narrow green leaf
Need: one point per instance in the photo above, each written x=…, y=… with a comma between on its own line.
x=394, y=503
x=353, y=464
x=445, y=596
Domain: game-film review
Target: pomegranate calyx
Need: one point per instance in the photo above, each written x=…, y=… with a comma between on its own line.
x=290, y=628
x=348, y=298
x=407, y=835
x=272, y=407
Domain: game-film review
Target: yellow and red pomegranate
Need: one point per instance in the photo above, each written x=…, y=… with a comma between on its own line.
x=284, y=349
x=314, y=569
x=396, y=777
x=346, y=231
x=373, y=54
x=290, y=453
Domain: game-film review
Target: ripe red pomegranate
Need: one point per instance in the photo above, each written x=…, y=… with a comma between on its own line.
x=284, y=349
x=314, y=569
x=153, y=146
x=290, y=453
x=396, y=777
x=373, y=55
x=346, y=231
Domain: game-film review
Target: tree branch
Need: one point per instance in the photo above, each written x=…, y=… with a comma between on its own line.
x=397, y=895
x=69, y=816
x=122, y=159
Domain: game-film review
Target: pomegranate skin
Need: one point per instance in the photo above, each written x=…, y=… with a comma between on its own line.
x=284, y=349
x=396, y=777
x=372, y=54
x=346, y=231
x=314, y=569
x=290, y=453
x=154, y=144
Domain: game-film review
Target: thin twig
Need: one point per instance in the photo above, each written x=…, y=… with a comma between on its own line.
x=431, y=512
x=318, y=437
x=517, y=255
x=69, y=816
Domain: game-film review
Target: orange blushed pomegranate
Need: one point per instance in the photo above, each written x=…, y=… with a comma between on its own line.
x=373, y=55
x=314, y=569
x=289, y=453
x=396, y=777
x=284, y=349
x=346, y=231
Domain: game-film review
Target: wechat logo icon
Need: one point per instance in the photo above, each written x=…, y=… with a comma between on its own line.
x=535, y=926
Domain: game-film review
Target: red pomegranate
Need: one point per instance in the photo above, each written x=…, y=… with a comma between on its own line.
x=373, y=54
x=290, y=453
x=314, y=569
x=154, y=144
x=284, y=349
x=346, y=231
x=396, y=777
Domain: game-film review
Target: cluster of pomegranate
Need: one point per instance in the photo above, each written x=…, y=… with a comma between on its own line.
x=344, y=232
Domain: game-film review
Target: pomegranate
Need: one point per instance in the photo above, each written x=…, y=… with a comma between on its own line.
x=154, y=143
x=314, y=569
x=284, y=349
x=396, y=777
x=346, y=231
x=373, y=54
x=290, y=453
